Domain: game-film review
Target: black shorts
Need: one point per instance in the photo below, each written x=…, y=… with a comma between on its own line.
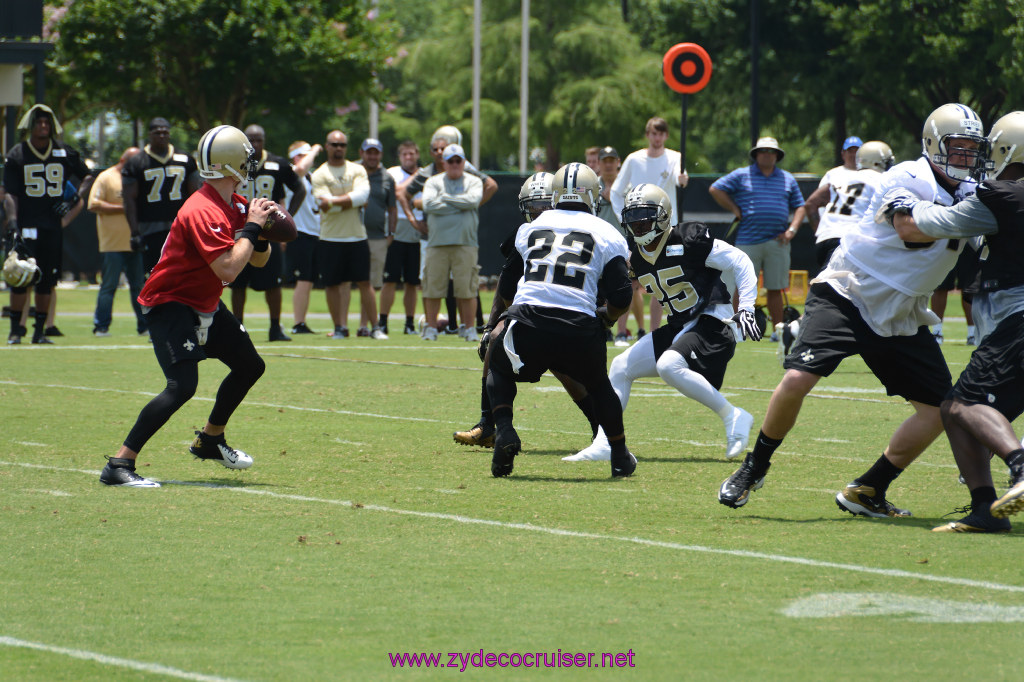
x=341, y=262
x=172, y=329
x=963, y=273
x=266, y=278
x=823, y=251
x=582, y=356
x=402, y=263
x=301, y=258
x=152, y=248
x=47, y=247
x=707, y=347
x=832, y=329
x=995, y=373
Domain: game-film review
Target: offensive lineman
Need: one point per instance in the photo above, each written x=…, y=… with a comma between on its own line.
x=155, y=184
x=35, y=175
x=273, y=174
x=979, y=410
x=681, y=267
x=562, y=261
x=872, y=300
x=213, y=237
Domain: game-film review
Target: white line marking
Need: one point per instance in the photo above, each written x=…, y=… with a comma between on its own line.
x=55, y=493
x=903, y=607
x=30, y=444
x=458, y=518
x=349, y=442
x=831, y=440
x=115, y=661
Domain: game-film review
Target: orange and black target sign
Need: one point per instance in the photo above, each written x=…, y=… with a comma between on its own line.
x=686, y=68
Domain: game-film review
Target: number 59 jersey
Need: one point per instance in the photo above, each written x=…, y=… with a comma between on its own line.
x=564, y=256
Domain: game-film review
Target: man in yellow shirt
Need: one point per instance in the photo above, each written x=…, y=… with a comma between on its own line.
x=105, y=200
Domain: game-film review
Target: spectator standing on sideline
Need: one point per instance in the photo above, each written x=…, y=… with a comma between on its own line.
x=608, y=164
x=342, y=188
x=593, y=158
x=656, y=165
x=402, y=263
x=35, y=175
x=272, y=176
x=156, y=183
x=301, y=253
x=187, y=320
x=114, y=238
x=451, y=201
x=379, y=217
x=761, y=197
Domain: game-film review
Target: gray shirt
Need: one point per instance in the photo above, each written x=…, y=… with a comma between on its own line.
x=451, y=208
x=382, y=197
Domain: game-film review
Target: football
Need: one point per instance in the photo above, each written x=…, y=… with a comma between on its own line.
x=280, y=227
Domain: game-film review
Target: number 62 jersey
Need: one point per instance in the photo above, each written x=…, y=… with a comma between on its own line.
x=564, y=256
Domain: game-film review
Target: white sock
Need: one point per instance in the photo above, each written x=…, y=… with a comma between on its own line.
x=937, y=328
x=674, y=371
x=970, y=330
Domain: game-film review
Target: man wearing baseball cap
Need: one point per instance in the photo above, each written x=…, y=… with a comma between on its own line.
x=836, y=190
x=380, y=217
x=761, y=196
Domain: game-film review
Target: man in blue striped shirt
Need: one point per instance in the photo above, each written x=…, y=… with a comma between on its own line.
x=761, y=197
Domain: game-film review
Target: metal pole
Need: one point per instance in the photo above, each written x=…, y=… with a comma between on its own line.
x=524, y=86
x=476, y=84
x=374, y=118
x=680, y=191
x=755, y=49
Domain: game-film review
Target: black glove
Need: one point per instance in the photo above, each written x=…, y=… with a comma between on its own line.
x=485, y=341
x=61, y=208
x=135, y=242
x=604, y=318
x=747, y=323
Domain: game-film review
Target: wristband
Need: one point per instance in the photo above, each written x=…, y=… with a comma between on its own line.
x=250, y=231
x=260, y=246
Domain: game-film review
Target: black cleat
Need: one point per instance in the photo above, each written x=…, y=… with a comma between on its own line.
x=506, y=446
x=736, y=489
x=216, y=448
x=53, y=331
x=121, y=472
x=623, y=465
x=277, y=334
x=302, y=328
x=41, y=339
x=975, y=523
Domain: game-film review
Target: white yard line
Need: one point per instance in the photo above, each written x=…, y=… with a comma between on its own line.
x=581, y=535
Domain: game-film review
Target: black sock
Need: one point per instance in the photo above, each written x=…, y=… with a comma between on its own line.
x=485, y=405
x=880, y=475
x=383, y=321
x=586, y=405
x=981, y=499
x=408, y=321
x=1015, y=460
x=764, y=448
x=502, y=417
x=40, y=325
x=275, y=322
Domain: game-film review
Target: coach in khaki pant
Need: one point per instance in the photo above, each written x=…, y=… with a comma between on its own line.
x=450, y=202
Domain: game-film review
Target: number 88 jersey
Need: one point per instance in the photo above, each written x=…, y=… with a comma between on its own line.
x=564, y=256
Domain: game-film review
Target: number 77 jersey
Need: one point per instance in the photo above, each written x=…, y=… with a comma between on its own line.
x=564, y=257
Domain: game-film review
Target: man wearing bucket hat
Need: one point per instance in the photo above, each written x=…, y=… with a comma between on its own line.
x=761, y=196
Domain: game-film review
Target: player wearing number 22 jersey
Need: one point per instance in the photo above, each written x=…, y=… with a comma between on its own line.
x=563, y=262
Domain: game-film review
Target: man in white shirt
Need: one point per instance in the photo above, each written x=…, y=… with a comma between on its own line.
x=656, y=165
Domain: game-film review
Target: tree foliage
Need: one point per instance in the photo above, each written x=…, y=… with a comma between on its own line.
x=221, y=61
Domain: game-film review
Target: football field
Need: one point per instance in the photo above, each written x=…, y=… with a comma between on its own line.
x=364, y=536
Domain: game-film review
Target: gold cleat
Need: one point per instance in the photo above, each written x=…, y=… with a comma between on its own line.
x=480, y=436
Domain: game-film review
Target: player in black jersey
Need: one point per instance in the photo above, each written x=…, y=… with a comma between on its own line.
x=155, y=183
x=269, y=181
x=682, y=268
x=36, y=174
x=978, y=411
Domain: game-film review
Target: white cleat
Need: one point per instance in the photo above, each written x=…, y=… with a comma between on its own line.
x=737, y=432
x=598, y=451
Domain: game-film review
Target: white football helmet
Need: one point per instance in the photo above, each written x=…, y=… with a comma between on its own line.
x=875, y=155
x=1007, y=142
x=646, y=212
x=575, y=185
x=20, y=272
x=225, y=151
x=535, y=195
x=946, y=124
x=450, y=134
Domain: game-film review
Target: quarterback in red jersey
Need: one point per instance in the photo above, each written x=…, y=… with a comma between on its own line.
x=213, y=237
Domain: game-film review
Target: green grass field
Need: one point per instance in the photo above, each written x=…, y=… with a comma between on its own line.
x=363, y=530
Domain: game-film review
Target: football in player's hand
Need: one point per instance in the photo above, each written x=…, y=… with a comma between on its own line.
x=280, y=227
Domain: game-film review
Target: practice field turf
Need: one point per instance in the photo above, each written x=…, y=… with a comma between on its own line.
x=363, y=532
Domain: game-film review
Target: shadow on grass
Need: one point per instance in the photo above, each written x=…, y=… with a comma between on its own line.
x=225, y=483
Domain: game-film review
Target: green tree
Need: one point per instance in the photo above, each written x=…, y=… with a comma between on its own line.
x=222, y=61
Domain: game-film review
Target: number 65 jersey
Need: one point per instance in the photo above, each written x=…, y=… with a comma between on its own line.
x=564, y=257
